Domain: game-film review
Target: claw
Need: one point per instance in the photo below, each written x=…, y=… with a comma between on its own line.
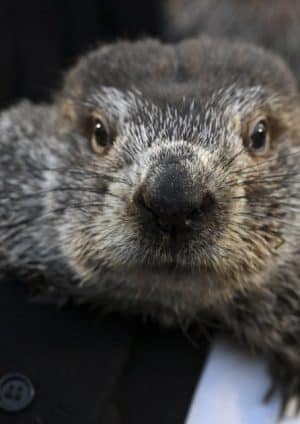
x=286, y=378
x=270, y=392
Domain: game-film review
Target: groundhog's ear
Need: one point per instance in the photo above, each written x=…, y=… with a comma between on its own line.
x=79, y=82
x=71, y=96
x=67, y=100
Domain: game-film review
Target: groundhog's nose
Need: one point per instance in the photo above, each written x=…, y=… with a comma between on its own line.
x=171, y=199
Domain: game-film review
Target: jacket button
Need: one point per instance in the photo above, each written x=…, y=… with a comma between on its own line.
x=16, y=392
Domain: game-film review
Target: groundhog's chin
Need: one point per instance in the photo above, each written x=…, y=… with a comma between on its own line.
x=170, y=286
x=178, y=259
x=171, y=264
x=194, y=263
x=170, y=270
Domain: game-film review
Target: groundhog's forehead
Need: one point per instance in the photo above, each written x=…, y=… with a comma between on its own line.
x=199, y=66
x=126, y=104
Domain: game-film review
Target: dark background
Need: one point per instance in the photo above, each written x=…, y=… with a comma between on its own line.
x=41, y=38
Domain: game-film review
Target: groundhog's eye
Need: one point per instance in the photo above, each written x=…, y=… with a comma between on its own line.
x=101, y=137
x=259, y=138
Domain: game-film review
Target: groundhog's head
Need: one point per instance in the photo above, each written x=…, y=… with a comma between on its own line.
x=181, y=169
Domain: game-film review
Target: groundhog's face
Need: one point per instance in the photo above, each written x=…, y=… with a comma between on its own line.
x=179, y=178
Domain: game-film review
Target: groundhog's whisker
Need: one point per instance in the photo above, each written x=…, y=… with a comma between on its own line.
x=269, y=176
x=273, y=180
x=262, y=164
x=235, y=226
x=292, y=173
x=20, y=196
x=228, y=163
x=268, y=220
x=79, y=171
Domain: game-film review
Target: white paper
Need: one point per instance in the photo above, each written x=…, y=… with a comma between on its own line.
x=231, y=388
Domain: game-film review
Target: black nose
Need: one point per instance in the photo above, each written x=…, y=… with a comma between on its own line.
x=173, y=201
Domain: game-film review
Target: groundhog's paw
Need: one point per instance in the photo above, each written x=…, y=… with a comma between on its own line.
x=286, y=379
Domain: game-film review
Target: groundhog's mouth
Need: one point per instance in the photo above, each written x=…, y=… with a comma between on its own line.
x=168, y=269
x=172, y=267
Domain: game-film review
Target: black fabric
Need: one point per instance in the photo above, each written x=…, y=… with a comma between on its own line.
x=72, y=358
x=39, y=39
x=158, y=382
x=88, y=369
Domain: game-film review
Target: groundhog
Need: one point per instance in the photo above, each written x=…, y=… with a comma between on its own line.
x=164, y=181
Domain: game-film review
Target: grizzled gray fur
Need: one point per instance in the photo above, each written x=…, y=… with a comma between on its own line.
x=164, y=180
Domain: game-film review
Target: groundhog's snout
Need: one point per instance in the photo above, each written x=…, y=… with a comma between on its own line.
x=170, y=199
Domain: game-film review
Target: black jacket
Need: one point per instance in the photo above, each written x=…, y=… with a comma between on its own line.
x=88, y=369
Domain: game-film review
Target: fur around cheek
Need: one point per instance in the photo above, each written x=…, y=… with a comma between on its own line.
x=102, y=241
